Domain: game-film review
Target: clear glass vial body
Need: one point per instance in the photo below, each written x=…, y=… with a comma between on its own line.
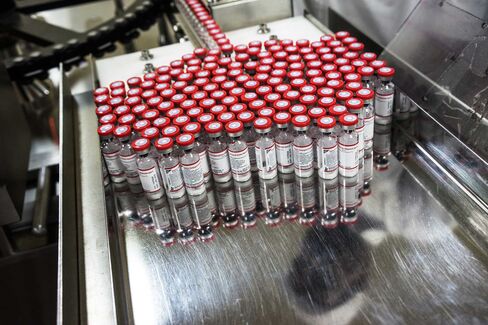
x=191, y=169
x=327, y=155
x=383, y=101
x=171, y=175
x=110, y=147
x=284, y=149
x=348, y=144
x=219, y=159
x=302, y=153
x=128, y=158
x=149, y=175
x=266, y=156
x=250, y=136
x=240, y=163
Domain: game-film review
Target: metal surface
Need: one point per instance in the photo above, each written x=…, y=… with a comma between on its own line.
x=42, y=200
x=231, y=15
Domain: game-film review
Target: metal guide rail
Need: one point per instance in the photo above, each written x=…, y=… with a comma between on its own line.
x=408, y=258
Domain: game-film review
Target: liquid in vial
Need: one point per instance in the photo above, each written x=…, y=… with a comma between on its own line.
x=250, y=136
x=246, y=203
x=191, y=167
x=202, y=216
x=348, y=198
x=329, y=210
x=170, y=169
x=180, y=211
x=302, y=147
x=163, y=223
x=110, y=147
x=265, y=149
x=384, y=97
x=348, y=144
x=305, y=192
x=218, y=153
x=284, y=143
x=226, y=202
x=288, y=195
x=148, y=170
x=240, y=163
x=271, y=200
x=127, y=155
x=200, y=147
x=327, y=153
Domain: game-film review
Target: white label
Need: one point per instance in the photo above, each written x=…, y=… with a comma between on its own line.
x=284, y=154
x=172, y=179
x=204, y=163
x=114, y=166
x=239, y=162
x=368, y=128
x=192, y=175
x=303, y=156
x=149, y=180
x=252, y=152
x=266, y=158
x=360, y=132
x=129, y=162
x=327, y=162
x=383, y=105
x=348, y=159
x=219, y=161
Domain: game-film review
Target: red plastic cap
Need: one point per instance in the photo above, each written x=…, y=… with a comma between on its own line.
x=308, y=100
x=214, y=127
x=185, y=139
x=234, y=127
x=150, y=133
x=150, y=115
x=127, y=119
x=298, y=109
x=266, y=112
x=354, y=86
x=354, y=103
x=344, y=95
x=263, y=123
x=117, y=84
x=122, y=131
x=100, y=91
x=342, y=34
x=348, y=119
x=141, y=144
x=281, y=105
x=365, y=93
x=205, y=118
x=218, y=109
x=103, y=109
x=368, y=56
x=171, y=131
x=164, y=143
x=107, y=119
x=300, y=121
x=245, y=117
x=377, y=64
x=386, y=72
x=161, y=122
x=316, y=112
x=174, y=113
x=194, y=112
x=106, y=129
x=257, y=104
x=192, y=128
x=366, y=71
x=182, y=120
x=141, y=125
x=327, y=101
x=326, y=122
x=226, y=117
x=282, y=118
x=337, y=110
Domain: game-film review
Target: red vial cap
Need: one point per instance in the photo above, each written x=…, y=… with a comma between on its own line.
x=312, y=73
x=165, y=78
x=150, y=76
x=133, y=101
x=308, y=100
x=300, y=121
x=177, y=64
x=234, y=127
x=263, y=123
x=122, y=131
x=348, y=119
x=182, y=120
x=237, y=108
x=266, y=112
x=229, y=100
x=121, y=110
x=166, y=106
x=316, y=112
x=150, y=133
x=164, y=143
x=245, y=117
x=327, y=101
x=377, y=64
x=346, y=68
x=326, y=122
x=282, y=118
x=344, y=95
x=335, y=84
x=242, y=57
x=253, y=52
x=200, y=52
x=103, y=109
x=291, y=95
x=282, y=105
x=325, y=92
x=283, y=88
x=207, y=103
x=308, y=90
x=298, y=83
x=161, y=122
x=257, y=44
x=349, y=40
x=225, y=61
x=238, y=92
x=117, y=84
x=164, y=69
x=366, y=71
x=171, y=131
x=261, y=77
x=199, y=95
x=194, y=112
x=148, y=84
x=214, y=127
x=228, y=85
x=342, y=34
x=333, y=75
x=174, y=113
x=140, y=144
x=274, y=81
x=354, y=103
x=114, y=101
x=241, y=78
x=334, y=43
x=329, y=67
x=240, y=48
x=352, y=77
x=205, y=118
x=105, y=130
x=318, y=81
x=340, y=50
x=249, y=97
x=368, y=56
x=127, y=119
x=226, y=117
x=386, y=72
x=217, y=109
x=135, y=92
x=100, y=91
x=337, y=110
x=298, y=109
x=354, y=86
x=179, y=85
x=251, y=85
x=264, y=90
x=187, y=57
x=328, y=57
x=118, y=92
x=192, y=128
x=280, y=73
x=257, y=104
x=185, y=140
x=302, y=43
x=107, y=119
x=295, y=74
x=365, y=93
x=326, y=38
x=356, y=46
x=272, y=97
x=351, y=55
x=140, y=125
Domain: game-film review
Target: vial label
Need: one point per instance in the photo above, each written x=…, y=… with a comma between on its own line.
x=284, y=154
x=201, y=212
x=129, y=162
x=219, y=162
x=252, y=152
x=327, y=160
x=303, y=156
x=360, y=132
x=150, y=180
x=383, y=105
x=192, y=175
x=348, y=159
x=204, y=163
x=306, y=196
x=183, y=216
x=348, y=196
x=288, y=193
x=246, y=200
x=114, y=166
x=161, y=217
x=172, y=178
x=271, y=197
x=266, y=158
x=227, y=201
x=239, y=162
x=368, y=128
x=332, y=198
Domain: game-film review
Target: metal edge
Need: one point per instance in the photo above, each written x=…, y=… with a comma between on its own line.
x=68, y=282
x=185, y=25
x=316, y=22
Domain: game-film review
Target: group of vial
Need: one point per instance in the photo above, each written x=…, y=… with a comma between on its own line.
x=302, y=108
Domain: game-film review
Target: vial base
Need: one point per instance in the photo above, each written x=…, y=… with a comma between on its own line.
x=272, y=217
x=205, y=233
x=329, y=219
x=230, y=220
x=307, y=216
x=260, y=210
x=215, y=219
x=186, y=236
x=147, y=222
x=248, y=219
x=381, y=162
x=167, y=236
x=291, y=212
x=366, y=188
x=349, y=216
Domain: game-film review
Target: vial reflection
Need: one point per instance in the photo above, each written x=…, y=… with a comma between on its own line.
x=246, y=203
x=271, y=200
x=202, y=216
x=288, y=196
x=226, y=203
x=163, y=223
x=305, y=194
x=329, y=210
x=180, y=211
